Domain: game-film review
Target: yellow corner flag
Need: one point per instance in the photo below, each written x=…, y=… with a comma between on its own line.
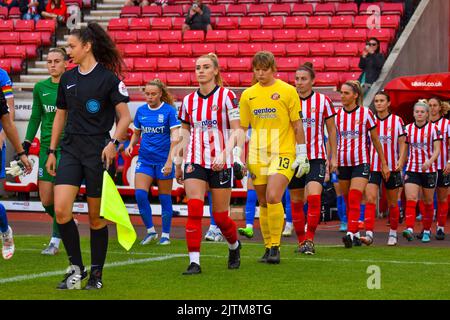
x=113, y=209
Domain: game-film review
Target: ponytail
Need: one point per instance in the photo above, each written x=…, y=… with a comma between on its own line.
x=356, y=88
x=165, y=94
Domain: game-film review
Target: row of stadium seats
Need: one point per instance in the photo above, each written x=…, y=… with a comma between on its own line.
x=13, y=65
x=272, y=22
x=259, y=35
x=233, y=49
x=283, y=9
x=209, y=2
x=241, y=64
x=19, y=51
x=234, y=79
x=27, y=26
x=37, y=38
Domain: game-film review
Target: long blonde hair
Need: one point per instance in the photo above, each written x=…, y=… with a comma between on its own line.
x=165, y=94
x=215, y=60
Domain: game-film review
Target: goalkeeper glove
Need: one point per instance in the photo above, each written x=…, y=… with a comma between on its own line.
x=17, y=168
x=301, y=161
x=238, y=166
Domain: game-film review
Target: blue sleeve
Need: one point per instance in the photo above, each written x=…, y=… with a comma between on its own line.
x=173, y=119
x=136, y=123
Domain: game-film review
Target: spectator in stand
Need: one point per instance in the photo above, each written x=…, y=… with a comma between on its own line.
x=56, y=10
x=198, y=17
x=9, y=3
x=132, y=3
x=161, y=3
x=31, y=9
x=371, y=63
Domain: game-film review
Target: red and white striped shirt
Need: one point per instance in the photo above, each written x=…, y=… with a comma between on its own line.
x=316, y=109
x=421, y=146
x=443, y=126
x=353, y=141
x=208, y=118
x=389, y=129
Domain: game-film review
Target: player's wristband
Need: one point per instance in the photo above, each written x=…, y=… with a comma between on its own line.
x=51, y=151
x=21, y=154
x=300, y=149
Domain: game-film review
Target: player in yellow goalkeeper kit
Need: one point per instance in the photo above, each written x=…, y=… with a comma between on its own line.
x=277, y=145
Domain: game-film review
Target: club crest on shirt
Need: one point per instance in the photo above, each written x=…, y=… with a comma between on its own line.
x=160, y=118
x=190, y=168
x=214, y=107
x=313, y=109
x=357, y=122
x=275, y=96
x=123, y=89
x=93, y=106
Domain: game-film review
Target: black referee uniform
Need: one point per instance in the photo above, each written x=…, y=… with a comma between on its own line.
x=90, y=101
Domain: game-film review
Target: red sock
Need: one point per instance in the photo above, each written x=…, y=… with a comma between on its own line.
x=442, y=213
x=226, y=225
x=422, y=207
x=427, y=216
x=394, y=216
x=354, y=203
x=448, y=201
x=194, y=225
x=410, y=213
x=298, y=220
x=369, y=217
x=314, y=204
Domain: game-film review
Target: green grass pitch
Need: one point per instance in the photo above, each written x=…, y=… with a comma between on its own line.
x=154, y=272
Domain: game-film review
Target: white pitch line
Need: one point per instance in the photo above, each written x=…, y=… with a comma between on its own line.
x=108, y=265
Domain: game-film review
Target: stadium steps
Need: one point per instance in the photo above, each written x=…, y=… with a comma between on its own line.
x=105, y=13
x=110, y=6
x=32, y=78
x=38, y=71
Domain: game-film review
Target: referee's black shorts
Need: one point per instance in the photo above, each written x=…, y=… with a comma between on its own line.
x=81, y=160
x=316, y=173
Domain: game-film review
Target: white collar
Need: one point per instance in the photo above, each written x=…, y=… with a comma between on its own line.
x=86, y=73
x=155, y=109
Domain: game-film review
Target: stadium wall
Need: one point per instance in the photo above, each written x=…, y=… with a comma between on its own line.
x=423, y=47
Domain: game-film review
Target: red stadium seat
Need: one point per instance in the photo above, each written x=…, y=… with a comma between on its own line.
x=170, y=36
x=6, y=25
x=223, y=64
x=249, y=49
x=332, y=35
x=139, y=24
x=310, y=35
x=346, y=9
x=273, y=22
x=135, y=50
x=177, y=23
x=3, y=13
x=218, y=10
x=346, y=76
x=238, y=10
x=262, y=35
x=325, y=9
x=14, y=13
x=284, y=35
x=181, y=79
x=194, y=36
x=157, y=50
x=194, y=81
x=359, y=35
x=172, y=11
x=168, y=64
x=31, y=51
x=327, y=79
x=375, y=8
x=231, y=79
x=230, y=23
x=239, y=64
x=354, y=64
x=341, y=22
x=78, y=3
x=180, y=50
x=297, y=49
x=250, y=23
x=287, y=64
x=278, y=49
x=15, y=51
x=319, y=22
x=337, y=64
x=133, y=79
x=390, y=21
x=322, y=49
x=130, y=12
x=9, y=37
x=384, y=35
x=227, y=49
x=360, y=21
x=225, y=1
x=31, y=38
x=149, y=76
x=282, y=9
x=245, y=79
x=393, y=8
x=238, y=36
x=284, y=76
x=147, y=36
x=202, y=49
x=161, y=23
x=295, y=23
x=46, y=38
x=216, y=36
x=346, y=49
x=188, y=64
x=118, y=24
x=125, y=37
x=24, y=25
x=306, y=9
x=129, y=63
x=45, y=25
x=2, y=52
x=258, y=10
x=145, y=64
x=151, y=11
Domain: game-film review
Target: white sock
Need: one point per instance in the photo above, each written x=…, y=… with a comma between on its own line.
x=249, y=226
x=440, y=228
x=410, y=229
x=194, y=257
x=165, y=235
x=393, y=232
x=55, y=241
x=426, y=231
x=357, y=235
x=8, y=233
x=350, y=234
x=288, y=225
x=151, y=230
x=369, y=234
x=212, y=227
x=233, y=246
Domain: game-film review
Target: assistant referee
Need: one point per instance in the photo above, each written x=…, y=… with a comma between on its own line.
x=89, y=98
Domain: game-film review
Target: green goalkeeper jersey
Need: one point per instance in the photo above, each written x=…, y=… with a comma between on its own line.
x=43, y=111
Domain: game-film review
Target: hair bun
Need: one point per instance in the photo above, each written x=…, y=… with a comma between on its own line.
x=308, y=65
